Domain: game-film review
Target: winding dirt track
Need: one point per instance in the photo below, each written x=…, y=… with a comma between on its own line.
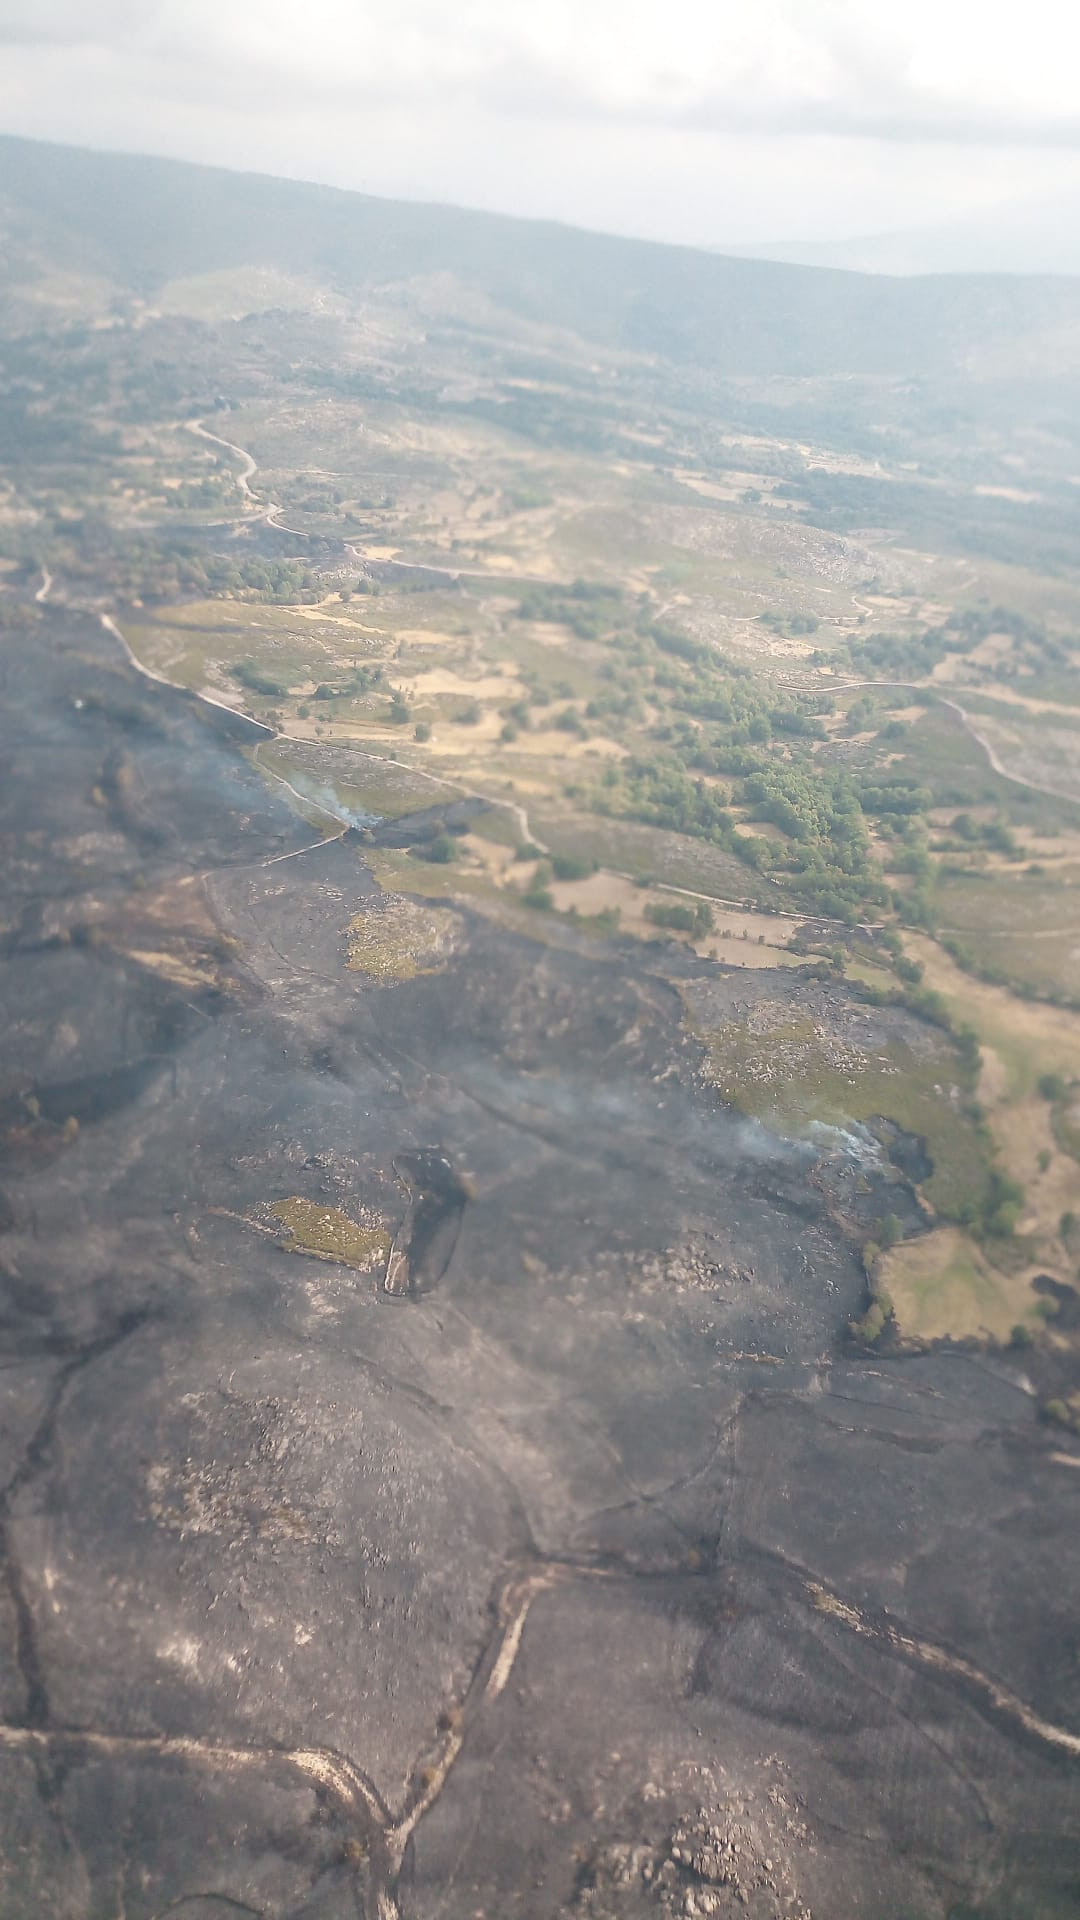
x=999, y=1698
x=929, y=686
x=382, y=1835
x=249, y=467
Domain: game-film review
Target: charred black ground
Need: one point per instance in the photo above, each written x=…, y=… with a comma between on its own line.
x=592, y=1574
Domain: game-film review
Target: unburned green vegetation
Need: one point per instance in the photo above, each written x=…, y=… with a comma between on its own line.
x=329, y=1233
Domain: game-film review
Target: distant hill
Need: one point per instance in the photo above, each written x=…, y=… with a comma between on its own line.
x=139, y=224
x=1032, y=237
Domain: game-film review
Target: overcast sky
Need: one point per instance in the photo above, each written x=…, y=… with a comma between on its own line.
x=697, y=120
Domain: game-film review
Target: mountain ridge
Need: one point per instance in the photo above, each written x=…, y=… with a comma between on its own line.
x=142, y=221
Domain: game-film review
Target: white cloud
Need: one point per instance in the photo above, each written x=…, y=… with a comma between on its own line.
x=606, y=107
x=782, y=62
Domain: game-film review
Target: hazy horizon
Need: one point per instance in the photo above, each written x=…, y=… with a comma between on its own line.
x=1024, y=237
x=700, y=128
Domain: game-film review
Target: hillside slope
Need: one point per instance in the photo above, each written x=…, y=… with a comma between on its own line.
x=140, y=223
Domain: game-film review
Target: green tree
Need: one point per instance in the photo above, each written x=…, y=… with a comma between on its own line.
x=890, y=1231
x=442, y=850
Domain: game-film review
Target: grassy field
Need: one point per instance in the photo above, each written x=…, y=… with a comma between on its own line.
x=1025, y=1040
x=944, y=1287
x=1023, y=925
x=793, y=1073
x=1033, y=1140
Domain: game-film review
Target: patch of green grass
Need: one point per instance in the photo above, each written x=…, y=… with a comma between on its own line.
x=1021, y=927
x=499, y=825
x=943, y=1287
x=398, y=872
x=653, y=853
x=394, y=938
x=360, y=780
x=313, y=1228
x=788, y=1076
x=547, y=665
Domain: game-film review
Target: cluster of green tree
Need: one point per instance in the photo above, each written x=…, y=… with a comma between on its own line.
x=894, y=799
x=903, y=656
x=616, y=703
x=442, y=851
x=812, y=804
x=190, y=495
x=996, y=834
x=715, y=719
x=661, y=793
x=996, y=1213
x=879, y=1317
x=1021, y=532
x=791, y=624
x=741, y=712
x=360, y=680
x=149, y=570
x=826, y=859
x=673, y=640
x=681, y=918
x=915, y=655
x=978, y=623
x=283, y=582
x=589, y=608
x=256, y=679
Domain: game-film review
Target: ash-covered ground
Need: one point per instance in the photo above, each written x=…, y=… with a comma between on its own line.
x=436, y=1478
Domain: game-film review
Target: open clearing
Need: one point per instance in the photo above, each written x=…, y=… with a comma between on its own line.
x=943, y=1287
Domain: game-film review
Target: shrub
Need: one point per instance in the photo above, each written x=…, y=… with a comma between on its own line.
x=871, y=1326
x=890, y=1231
x=255, y=680
x=570, y=866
